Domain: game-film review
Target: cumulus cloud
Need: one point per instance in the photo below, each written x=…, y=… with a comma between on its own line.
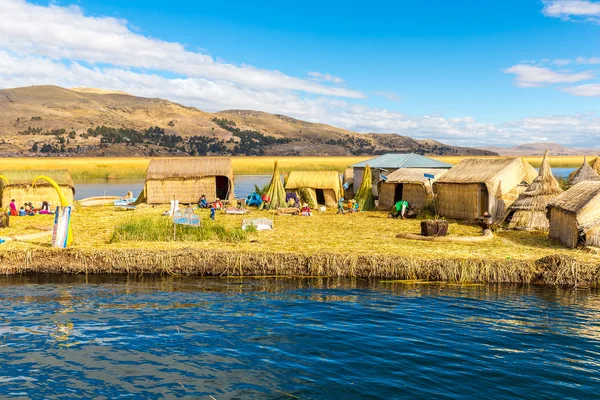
x=561, y=62
x=589, y=90
x=590, y=60
x=532, y=76
x=321, y=77
x=391, y=96
x=570, y=9
x=66, y=33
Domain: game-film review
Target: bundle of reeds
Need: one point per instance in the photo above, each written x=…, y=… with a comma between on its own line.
x=584, y=173
x=364, y=196
x=529, y=210
x=276, y=191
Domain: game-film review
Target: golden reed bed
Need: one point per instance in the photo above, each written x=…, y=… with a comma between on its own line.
x=358, y=245
x=135, y=168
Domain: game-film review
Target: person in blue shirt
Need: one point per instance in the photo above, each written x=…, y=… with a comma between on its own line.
x=203, y=203
x=341, y=206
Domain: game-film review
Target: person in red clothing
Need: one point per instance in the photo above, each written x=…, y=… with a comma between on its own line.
x=13, y=208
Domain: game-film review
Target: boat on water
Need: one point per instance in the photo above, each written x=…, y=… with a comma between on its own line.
x=99, y=201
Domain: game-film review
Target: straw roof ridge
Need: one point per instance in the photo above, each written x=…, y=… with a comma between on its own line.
x=414, y=175
x=584, y=173
x=313, y=179
x=579, y=196
x=542, y=190
x=189, y=168
x=23, y=177
x=397, y=160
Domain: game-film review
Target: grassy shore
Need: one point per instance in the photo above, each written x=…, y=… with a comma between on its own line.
x=135, y=168
x=361, y=245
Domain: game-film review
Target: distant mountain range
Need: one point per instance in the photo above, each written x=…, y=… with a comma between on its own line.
x=50, y=120
x=538, y=149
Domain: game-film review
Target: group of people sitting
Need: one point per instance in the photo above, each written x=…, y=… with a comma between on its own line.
x=28, y=209
x=204, y=203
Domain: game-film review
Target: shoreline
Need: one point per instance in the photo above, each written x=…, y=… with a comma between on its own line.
x=558, y=269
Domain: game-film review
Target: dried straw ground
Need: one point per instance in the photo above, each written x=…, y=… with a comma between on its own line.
x=362, y=245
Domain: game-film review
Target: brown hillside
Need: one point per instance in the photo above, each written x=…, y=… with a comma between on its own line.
x=28, y=114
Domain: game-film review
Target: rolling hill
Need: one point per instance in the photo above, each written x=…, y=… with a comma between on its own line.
x=50, y=120
x=538, y=149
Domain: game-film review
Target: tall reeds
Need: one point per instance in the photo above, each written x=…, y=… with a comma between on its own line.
x=276, y=192
x=364, y=195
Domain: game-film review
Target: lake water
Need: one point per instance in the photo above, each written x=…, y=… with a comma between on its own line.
x=111, y=337
x=244, y=185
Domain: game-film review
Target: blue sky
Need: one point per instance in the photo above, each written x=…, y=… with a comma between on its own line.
x=467, y=73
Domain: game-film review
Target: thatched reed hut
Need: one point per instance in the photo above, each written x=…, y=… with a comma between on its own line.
x=186, y=179
x=528, y=212
x=477, y=185
x=575, y=215
x=409, y=184
x=584, y=173
x=596, y=165
x=19, y=187
x=388, y=163
x=324, y=187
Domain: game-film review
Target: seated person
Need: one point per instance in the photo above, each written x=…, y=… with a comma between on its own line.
x=22, y=212
x=32, y=209
x=306, y=212
x=45, y=205
x=217, y=205
x=202, y=202
x=291, y=199
x=352, y=206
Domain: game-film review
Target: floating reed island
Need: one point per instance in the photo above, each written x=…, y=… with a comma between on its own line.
x=364, y=245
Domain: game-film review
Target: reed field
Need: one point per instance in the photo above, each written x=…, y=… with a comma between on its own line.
x=135, y=168
x=364, y=244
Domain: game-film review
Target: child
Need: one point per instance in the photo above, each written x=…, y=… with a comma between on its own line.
x=22, y=212
x=341, y=206
x=306, y=210
x=13, y=208
x=203, y=203
x=212, y=212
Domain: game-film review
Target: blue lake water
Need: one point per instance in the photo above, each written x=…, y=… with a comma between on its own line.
x=110, y=337
x=244, y=185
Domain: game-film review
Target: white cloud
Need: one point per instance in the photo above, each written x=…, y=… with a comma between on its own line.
x=391, y=96
x=66, y=33
x=321, y=77
x=531, y=76
x=562, y=62
x=590, y=60
x=569, y=9
x=590, y=90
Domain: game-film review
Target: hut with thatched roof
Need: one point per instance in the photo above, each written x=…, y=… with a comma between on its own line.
x=575, y=215
x=528, y=212
x=186, y=179
x=19, y=187
x=584, y=173
x=324, y=187
x=364, y=196
x=478, y=185
x=409, y=184
x=596, y=165
x=390, y=162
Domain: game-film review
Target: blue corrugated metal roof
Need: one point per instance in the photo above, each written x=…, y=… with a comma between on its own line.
x=392, y=160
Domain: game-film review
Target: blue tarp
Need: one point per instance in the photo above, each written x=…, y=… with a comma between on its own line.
x=253, y=199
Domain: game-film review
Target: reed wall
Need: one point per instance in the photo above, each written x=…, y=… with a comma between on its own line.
x=184, y=190
x=329, y=195
x=414, y=193
x=459, y=200
x=563, y=227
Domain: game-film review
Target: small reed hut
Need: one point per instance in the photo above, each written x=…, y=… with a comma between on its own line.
x=186, y=179
x=575, y=215
x=478, y=185
x=324, y=187
x=19, y=187
x=390, y=162
x=409, y=184
x=364, y=195
x=275, y=191
x=528, y=212
x=584, y=173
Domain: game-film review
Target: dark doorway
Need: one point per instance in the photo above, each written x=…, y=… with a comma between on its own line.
x=398, y=192
x=320, y=196
x=484, y=199
x=222, y=187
